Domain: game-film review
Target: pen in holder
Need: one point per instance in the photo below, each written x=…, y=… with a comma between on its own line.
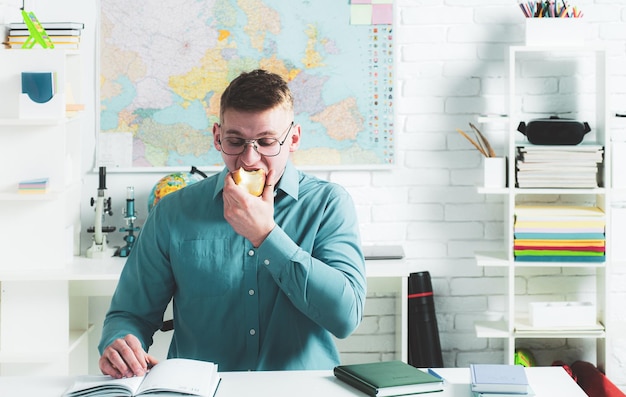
x=494, y=168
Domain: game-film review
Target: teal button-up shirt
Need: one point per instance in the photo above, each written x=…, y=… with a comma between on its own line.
x=268, y=308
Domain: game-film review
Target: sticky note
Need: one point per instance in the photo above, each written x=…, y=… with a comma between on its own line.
x=382, y=14
x=361, y=14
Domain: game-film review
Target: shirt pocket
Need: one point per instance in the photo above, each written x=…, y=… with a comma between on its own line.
x=204, y=268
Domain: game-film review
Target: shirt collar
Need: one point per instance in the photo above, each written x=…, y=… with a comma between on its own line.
x=288, y=183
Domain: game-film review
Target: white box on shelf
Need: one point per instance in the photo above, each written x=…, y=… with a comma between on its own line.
x=494, y=171
x=562, y=314
x=555, y=31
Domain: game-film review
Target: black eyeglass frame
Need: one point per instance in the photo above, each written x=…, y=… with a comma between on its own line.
x=253, y=142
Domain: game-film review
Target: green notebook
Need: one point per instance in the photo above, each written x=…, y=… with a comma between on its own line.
x=388, y=378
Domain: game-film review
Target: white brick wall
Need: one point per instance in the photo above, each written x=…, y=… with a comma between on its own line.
x=450, y=67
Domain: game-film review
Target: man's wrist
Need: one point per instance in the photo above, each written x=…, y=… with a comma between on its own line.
x=257, y=243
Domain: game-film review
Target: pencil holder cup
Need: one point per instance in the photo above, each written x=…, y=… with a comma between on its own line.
x=555, y=31
x=494, y=172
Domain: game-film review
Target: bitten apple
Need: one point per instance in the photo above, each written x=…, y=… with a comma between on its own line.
x=253, y=181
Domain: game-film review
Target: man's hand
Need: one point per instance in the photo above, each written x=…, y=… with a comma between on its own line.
x=250, y=216
x=125, y=358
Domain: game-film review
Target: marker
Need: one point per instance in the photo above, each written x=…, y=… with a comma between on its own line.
x=435, y=374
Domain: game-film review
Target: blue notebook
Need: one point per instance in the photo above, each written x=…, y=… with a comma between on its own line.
x=499, y=378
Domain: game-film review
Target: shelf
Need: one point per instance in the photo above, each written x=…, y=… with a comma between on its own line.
x=595, y=333
x=31, y=357
x=109, y=269
x=386, y=268
x=522, y=104
x=17, y=122
x=493, y=190
x=80, y=269
x=491, y=329
x=51, y=195
x=492, y=259
x=499, y=259
x=541, y=191
x=41, y=231
x=77, y=336
x=498, y=329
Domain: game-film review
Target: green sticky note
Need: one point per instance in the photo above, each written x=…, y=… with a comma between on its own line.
x=361, y=14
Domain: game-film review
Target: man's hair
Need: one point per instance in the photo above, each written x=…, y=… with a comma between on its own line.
x=255, y=91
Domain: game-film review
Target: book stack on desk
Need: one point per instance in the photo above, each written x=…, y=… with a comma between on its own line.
x=499, y=380
x=64, y=35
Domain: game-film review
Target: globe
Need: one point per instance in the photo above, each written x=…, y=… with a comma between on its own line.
x=170, y=183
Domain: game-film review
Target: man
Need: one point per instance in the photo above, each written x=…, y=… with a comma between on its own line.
x=258, y=283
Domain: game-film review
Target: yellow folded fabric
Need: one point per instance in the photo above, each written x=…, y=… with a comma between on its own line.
x=560, y=224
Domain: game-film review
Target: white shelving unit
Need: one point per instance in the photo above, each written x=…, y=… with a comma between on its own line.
x=570, y=280
x=42, y=326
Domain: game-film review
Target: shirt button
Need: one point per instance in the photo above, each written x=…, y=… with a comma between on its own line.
x=251, y=292
x=266, y=262
x=251, y=253
x=252, y=331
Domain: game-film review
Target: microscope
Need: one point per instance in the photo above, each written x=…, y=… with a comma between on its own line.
x=99, y=248
x=130, y=215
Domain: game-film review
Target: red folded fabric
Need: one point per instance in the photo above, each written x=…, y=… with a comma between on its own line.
x=593, y=382
x=560, y=248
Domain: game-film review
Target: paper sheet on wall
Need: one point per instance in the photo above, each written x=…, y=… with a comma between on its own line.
x=115, y=150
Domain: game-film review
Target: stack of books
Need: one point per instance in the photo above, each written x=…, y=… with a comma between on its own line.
x=555, y=233
x=64, y=35
x=33, y=186
x=499, y=380
x=563, y=166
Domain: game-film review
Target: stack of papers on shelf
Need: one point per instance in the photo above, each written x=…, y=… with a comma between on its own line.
x=495, y=380
x=64, y=35
x=33, y=186
x=388, y=378
x=559, y=233
x=563, y=166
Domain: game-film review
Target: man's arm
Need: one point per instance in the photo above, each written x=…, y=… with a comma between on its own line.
x=328, y=284
x=136, y=312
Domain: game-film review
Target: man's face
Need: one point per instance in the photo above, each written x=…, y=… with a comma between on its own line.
x=269, y=128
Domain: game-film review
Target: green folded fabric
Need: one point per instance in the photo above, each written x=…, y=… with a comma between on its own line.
x=556, y=253
x=560, y=258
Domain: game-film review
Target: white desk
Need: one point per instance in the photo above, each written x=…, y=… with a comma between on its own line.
x=545, y=381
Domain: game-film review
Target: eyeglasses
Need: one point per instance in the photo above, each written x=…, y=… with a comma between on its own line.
x=268, y=147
